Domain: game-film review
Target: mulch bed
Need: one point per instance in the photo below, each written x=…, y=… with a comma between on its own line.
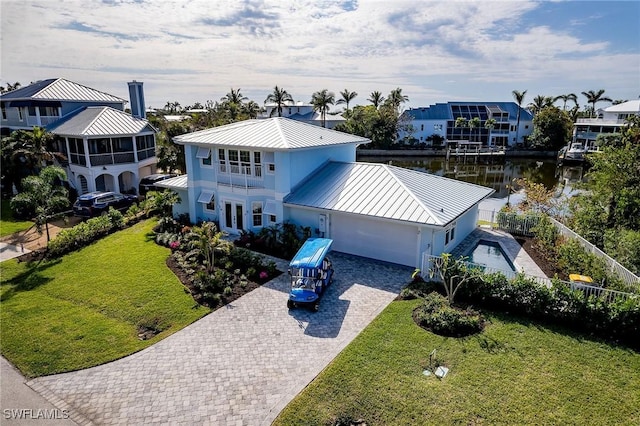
x=549, y=268
x=237, y=291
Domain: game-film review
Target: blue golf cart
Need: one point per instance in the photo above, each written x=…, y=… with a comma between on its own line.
x=311, y=273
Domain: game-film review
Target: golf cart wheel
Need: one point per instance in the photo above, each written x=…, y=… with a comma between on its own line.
x=290, y=304
x=316, y=307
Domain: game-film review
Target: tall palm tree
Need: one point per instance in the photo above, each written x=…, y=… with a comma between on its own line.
x=252, y=109
x=279, y=97
x=595, y=97
x=569, y=97
x=376, y=99
x=474, y=123
x=396, y=98
x=234, y=97
x=461, y=122
x=321, y=101
x=519, y=98
x=539, y=103
x=347, y=97
x=489, y=124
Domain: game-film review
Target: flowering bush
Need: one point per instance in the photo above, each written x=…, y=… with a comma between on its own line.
x=264, y=275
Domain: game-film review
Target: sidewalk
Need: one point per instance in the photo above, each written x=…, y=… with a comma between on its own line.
x=21, y=405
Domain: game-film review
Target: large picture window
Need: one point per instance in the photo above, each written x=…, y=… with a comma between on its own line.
x=240, y=162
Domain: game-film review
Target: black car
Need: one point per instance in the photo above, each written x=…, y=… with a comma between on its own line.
x=147, y=183
x=97, y=203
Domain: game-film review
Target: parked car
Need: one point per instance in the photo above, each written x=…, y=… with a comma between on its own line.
x=147, y=183
x=96, y=203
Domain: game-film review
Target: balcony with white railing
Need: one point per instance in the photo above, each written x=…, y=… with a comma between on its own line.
x=41, y=121
x=240, y=176
x=601, y=121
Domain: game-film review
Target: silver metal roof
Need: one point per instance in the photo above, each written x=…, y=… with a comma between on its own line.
x=178, y=182
x=101, y=121
x=62, y=90
x=387, y=192
x=276, y=133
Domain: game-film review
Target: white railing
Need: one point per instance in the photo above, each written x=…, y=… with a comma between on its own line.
x=607, y=295
x=599, y=121
x=243, y=177
x=628, y=276
x=508, y=222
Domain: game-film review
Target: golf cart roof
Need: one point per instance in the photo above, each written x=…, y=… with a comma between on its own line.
x=312, y=253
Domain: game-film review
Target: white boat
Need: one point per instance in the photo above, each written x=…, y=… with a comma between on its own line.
x=574, y=153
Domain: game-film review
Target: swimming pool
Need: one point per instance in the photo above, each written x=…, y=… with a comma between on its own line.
x=490, y=254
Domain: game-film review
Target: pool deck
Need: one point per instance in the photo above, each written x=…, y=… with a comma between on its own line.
x=518, y=256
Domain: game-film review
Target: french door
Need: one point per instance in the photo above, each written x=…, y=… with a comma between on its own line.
x=233, y=216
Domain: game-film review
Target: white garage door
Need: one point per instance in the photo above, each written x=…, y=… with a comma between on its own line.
x=378, y=240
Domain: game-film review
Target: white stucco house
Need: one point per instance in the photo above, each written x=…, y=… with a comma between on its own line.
x=257, y=173
x=608, y=120
x=107, y=149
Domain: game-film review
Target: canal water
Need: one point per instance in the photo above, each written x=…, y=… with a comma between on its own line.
x=495, y=173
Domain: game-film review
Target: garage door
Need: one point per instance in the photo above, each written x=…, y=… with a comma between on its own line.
x=375, y=239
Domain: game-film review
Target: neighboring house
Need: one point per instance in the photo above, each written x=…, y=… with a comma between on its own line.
x=258, y=173
x=303, y=112
x=609, y=120
x=440, y=119
x=106, y=148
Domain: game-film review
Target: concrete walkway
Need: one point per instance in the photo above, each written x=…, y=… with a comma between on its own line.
x=239, y=365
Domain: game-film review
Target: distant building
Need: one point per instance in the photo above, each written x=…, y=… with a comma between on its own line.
x=609, y=120
x=300, y=111
x=440, y=119
x=106, y=148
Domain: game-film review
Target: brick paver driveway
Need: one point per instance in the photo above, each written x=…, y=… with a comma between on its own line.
x=239, y=365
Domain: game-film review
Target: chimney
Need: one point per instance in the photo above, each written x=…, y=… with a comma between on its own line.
x=136, y=95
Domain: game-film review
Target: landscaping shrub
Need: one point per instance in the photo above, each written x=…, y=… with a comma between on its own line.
x=278, y=240
x=617, y=321
x=83, y=234
x=435, y=314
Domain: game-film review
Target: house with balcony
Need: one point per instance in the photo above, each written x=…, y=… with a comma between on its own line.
x=440, y=119
x=305, y=113
x=257, y=173
x=609, y=120
x=106, y=148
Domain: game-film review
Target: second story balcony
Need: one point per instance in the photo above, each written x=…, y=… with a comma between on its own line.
x=241, y=177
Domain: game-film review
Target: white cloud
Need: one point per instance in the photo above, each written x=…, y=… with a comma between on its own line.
x=197, y=50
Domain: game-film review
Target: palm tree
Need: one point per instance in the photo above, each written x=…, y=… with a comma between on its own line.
x=10, y=87
x=234, y=97
x=42, y=195
x=252, y=109
x=519, y=97
x=376, y=99
x=570, y=97
x=595, y=97
x=279, y=97
x=321, y=101
x=489, y=124
x=539, y=103
x=461, y=122
x=474, y=123
x=347, y=97
x=619, y=101
x=396, y=98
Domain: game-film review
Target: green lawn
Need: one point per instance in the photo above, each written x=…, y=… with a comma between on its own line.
x=9, y=225
x=83, y=309
x=515, y=372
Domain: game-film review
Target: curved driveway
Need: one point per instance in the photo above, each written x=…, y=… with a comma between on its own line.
x=239, y=365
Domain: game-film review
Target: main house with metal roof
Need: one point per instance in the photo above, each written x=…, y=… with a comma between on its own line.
x=258, y=173
x=106, y=148
x=440, y=119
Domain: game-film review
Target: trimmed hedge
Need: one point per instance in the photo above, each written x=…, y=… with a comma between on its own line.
x=618, y=321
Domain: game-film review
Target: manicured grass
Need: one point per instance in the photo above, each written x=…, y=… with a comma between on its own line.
x=515, y=372
x=83, y=309
x=8, y=224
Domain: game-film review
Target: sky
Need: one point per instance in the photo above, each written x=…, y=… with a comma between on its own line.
x=435, y=51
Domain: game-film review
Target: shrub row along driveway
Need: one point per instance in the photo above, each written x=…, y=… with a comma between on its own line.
x=239, y=365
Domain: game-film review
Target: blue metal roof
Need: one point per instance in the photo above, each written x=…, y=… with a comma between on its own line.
x=312, y=253
x=442, y=111
x=27, y=91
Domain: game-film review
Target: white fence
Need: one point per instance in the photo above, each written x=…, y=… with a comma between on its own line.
x=429, y=262
x=522, y=225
